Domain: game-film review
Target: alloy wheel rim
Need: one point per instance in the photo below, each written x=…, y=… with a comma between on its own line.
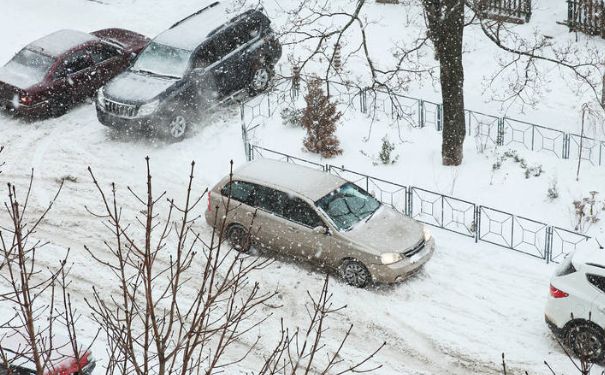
x=260, y=79
x=178, y=126
x=588, y=344
x=355, y=274
x=236, y=237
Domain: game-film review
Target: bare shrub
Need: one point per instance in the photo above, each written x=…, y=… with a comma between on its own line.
x=41, y=321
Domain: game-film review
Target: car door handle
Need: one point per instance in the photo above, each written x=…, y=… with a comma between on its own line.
x=292, y=229
x=249, y=213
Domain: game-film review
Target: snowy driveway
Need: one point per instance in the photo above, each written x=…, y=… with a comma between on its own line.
x=470, y=303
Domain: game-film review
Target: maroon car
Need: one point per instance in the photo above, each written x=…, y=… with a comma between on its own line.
x=49, y=75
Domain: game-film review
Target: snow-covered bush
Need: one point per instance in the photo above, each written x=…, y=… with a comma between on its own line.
x=291, y=116
x=587, y=211
x=529, y=170
x=386, y=152
x=553, y=190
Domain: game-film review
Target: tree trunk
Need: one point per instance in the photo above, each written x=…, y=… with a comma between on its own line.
x=446, y=29
x=452, y=94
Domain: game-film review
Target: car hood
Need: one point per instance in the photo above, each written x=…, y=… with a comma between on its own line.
x=18, y=77
x=387, y=231
x=131, y=87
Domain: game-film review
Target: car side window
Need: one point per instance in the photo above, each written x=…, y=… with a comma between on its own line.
x=103, y=52
x=208, y=54
x=240, y=191
x=596, y=280
x=74, y=63
x=271, y=200
x=245, y=30
x=300, y=212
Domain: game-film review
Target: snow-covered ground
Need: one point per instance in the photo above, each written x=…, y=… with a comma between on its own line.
x=468, y=305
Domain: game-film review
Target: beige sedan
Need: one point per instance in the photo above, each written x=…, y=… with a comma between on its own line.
x=317, y=216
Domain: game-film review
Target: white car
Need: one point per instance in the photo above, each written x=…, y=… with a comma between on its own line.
x=575, y=310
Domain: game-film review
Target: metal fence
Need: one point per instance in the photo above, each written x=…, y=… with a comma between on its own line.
x=469, y=219
x=518, y=10
x=488, y=131
x=586, y=16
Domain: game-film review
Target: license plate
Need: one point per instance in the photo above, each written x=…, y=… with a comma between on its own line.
x=416, y=257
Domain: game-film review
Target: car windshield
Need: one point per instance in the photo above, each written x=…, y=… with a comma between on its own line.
x=163, y=60
x=33, y=64
x=348, y=205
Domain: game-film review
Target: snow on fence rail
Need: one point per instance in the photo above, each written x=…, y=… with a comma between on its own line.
x=482, y=223
x=487, y=130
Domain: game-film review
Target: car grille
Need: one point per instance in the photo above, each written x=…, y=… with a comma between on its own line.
x=416, y=249
x=119, y=109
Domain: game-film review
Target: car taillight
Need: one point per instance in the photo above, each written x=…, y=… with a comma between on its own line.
x=209, y=201
x=25, y=99
x=557, y=293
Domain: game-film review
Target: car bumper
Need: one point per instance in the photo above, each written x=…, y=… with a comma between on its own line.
x=88, y=369
x=39, y=109
x=558, y=331
x=147, y=123
x=399, y=271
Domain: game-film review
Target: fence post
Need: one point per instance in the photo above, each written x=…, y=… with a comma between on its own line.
x=477, y=222
x=528, y=10
x=566, y=139
x=362, y=101
x=500, y=137
x=439, y=117
x=548, y=244
x=421, y=113
x=408, y=201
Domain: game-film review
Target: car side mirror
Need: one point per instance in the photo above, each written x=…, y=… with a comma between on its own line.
x=320, y=230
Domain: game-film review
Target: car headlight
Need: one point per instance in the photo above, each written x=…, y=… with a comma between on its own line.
x=427, y=234
x=149, y=108
x=101, y=98
x=390, y=258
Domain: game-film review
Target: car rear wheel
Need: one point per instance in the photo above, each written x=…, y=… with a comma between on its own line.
x=587, y=342
x=355, y=273
x=239, y=238
x=177, y=128
x=259, y=79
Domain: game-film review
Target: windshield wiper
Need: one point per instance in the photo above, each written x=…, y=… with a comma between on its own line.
x=372, y=214
x=149, y=72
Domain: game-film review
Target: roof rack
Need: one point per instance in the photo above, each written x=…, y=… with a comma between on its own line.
x=194, y=14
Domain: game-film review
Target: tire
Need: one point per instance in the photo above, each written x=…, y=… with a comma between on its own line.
x=238, y=236
x=355, y=273
x=177, y=128
x=260, y=78
x=586, y=341
x=56, y=108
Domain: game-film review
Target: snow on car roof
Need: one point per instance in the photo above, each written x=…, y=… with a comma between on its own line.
x=60, y=41
x=191, y=32
x=308, y=182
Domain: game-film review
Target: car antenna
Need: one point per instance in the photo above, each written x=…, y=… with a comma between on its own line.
x=600, y=246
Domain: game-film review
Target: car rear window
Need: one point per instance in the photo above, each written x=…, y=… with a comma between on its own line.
x=241, y=191
x=32, y=63
x=596, y=280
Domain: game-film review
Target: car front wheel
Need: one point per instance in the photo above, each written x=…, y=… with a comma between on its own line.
x=260, y=79
x=177, y=128
x=587, y=342
x=355, y=273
